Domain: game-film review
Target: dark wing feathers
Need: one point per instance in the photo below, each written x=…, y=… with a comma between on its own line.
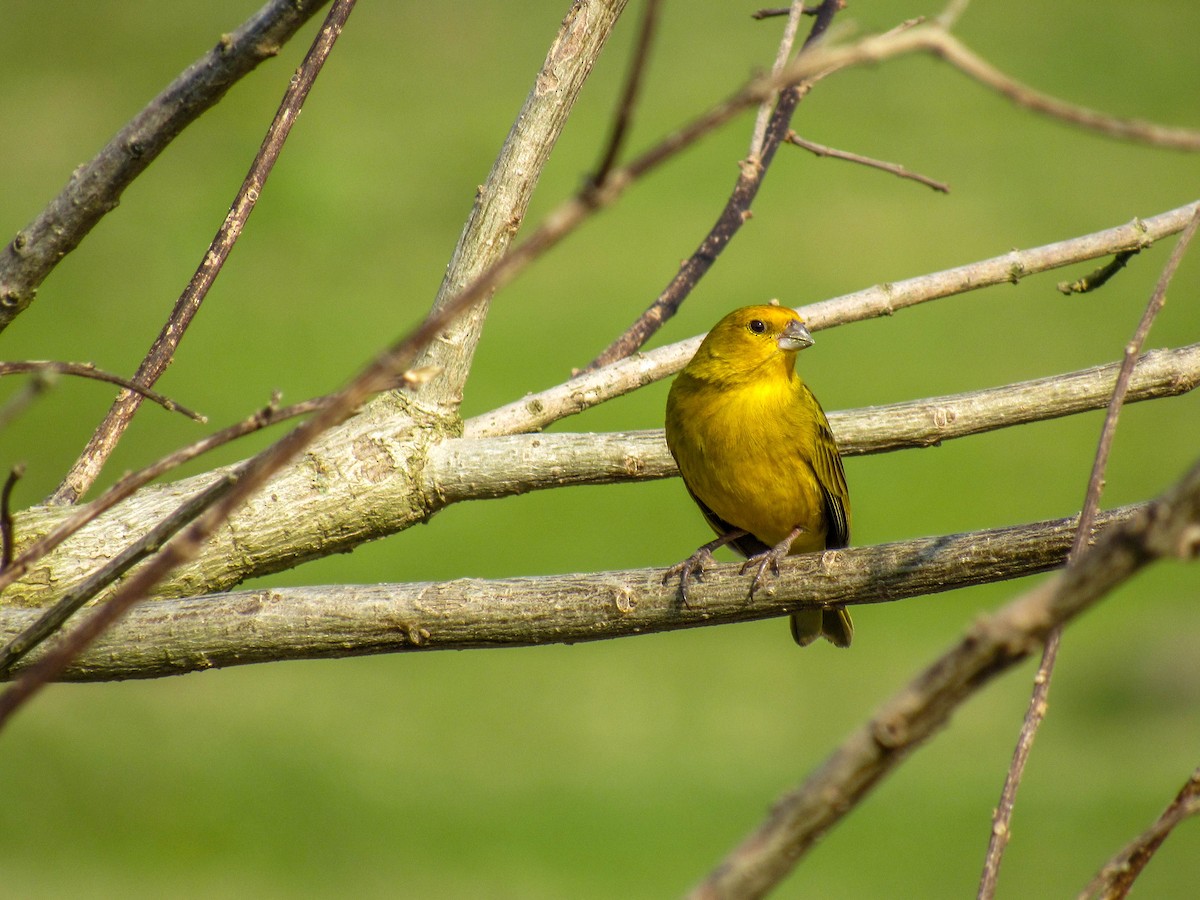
x=827, y=466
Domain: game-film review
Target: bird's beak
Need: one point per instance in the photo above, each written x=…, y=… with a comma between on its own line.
x=795, y=336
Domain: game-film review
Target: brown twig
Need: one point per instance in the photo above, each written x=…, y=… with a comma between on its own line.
x=104, y=440
x=1099, y=277
x=96, y=187
x=920, y=709
x=7, y=538
x=629, y=95
x=953, y=51
x=1115, y=879
x=893, y=168
x=772, y=12
x=89, y=370
x=1036, y=711
x=759, y=133
x=728, y=223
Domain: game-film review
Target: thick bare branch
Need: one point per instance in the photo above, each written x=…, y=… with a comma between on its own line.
x=1168, y=527
x=198, y=633
x=536, y=411
x=501, y=202
x=96, y=188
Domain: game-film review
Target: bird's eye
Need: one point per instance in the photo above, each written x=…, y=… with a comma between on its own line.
x=757, y=326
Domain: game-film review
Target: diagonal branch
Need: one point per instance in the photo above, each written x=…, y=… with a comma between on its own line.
x=502, y=201
x=953, y=51
x=894, y=168
x=96, y=188
x=174, y=636
x=1116, y=878
x=108, y=433
x=1169, y=527
x=1039, y=696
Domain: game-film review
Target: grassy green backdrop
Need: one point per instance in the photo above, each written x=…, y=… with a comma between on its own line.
x=622, y=768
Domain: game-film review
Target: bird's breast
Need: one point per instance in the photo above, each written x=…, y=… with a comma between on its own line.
x=746, y=453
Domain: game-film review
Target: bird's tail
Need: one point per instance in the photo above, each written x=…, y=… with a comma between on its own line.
x=834, y=624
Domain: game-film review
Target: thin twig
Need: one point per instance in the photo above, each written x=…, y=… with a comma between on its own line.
x=953, y=51
x=96, y=187
x=773, y=12
x=106, y=436
x=1115, y=879
x=732, y=217
x=922, y=708
x=538, y=410
x=759, y=134
x=1036, y=711
x=893, y=168
x=7, y=538
x=1099, y=277
x=89, y=370
x=171, y=636
x=629, y=95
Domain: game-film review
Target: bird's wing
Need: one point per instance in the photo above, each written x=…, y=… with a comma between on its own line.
x=827, y=466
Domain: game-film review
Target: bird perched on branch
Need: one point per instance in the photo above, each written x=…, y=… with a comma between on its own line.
x=756, y=453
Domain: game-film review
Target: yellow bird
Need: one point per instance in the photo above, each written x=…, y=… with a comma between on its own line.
x=756, y=454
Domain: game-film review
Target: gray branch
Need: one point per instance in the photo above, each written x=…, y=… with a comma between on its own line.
x=184, y=635
x=501, y=202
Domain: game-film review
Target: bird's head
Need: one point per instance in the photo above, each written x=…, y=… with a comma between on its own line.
x=750, y=343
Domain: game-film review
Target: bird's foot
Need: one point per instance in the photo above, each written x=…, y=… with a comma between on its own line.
x=694, y=565
x=768, y=559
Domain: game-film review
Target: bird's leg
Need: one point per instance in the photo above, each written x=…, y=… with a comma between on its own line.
x=770, y=558
x=698, y=562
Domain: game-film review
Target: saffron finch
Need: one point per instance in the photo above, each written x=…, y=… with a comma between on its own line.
x=756, y=454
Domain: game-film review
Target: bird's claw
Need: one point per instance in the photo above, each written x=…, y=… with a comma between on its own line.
x=694, y=565
x=768, y=559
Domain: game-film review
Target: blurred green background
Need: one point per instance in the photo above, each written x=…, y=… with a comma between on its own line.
x=621, y=768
